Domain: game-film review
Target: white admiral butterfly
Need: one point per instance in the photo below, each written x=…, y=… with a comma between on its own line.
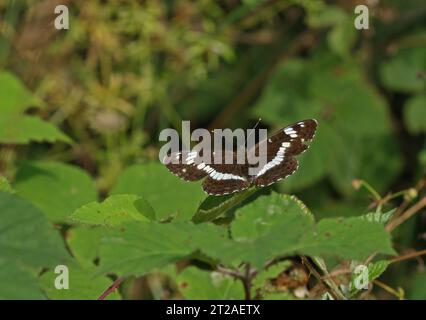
x=227, y=178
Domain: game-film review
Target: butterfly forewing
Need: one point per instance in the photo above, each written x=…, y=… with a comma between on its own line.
x=281, y=149
x=185, y=165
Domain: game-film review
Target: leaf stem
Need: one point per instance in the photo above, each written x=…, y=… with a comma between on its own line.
x=111, y=288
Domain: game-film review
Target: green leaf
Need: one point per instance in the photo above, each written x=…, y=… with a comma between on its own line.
x=350, y=238
x=342, y=37
x=114, y=211
x=379, y=217
x=166, y=193
x=83, y=284
x=24, y=129
x=137, y=248
x=271, y=226
x=14, y=97
x=375, y=269
x=84, y=244
x=18, y=283
x=415, y=114
x=401, y=72
x=330, y=16
x=262, y=235
x=5, y=185
x=260, y=216
x=56, y=188
x=194, y=283
x=26, y=236
x=215, y=206
x=355, y=116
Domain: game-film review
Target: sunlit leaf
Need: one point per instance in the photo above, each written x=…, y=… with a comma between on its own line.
x=24, y=129
x=166, y=193
x=114, y=210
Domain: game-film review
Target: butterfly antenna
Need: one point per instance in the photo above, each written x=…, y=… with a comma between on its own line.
x=252, y=130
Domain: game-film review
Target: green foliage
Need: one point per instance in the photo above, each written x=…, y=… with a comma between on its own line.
x=357, y=116
x=18, y=283
x=55, y=188
x=415, y=113
x=14, y=97
x=83, y=285
x=401, y=72
x=27, y=238
x=203, y=285
x=378, y=216
x=418, y=287
x=167, y=194
x=270, y=226
x=375, y=269
x=5, y=185
x=114, y=211
x=84, y=244
x=16, y=128
x=79, y=125
x=27, y=243
x=24, y=129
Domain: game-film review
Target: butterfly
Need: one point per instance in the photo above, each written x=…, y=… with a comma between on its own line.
x=221, y=179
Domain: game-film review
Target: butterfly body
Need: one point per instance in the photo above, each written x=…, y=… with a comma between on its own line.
x=224, y=178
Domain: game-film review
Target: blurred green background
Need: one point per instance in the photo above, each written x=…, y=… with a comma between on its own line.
x=87, y=104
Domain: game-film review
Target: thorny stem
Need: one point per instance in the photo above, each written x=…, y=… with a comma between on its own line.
x=111, y=288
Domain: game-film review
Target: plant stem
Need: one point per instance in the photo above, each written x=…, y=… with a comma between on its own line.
x=247, y=282
x=409, y=256
x=407, y=214
x=111, y=288
x=327, y=282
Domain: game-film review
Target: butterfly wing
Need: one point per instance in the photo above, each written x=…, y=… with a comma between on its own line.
x=185, y=165
x=281, y=149
x=221, y=178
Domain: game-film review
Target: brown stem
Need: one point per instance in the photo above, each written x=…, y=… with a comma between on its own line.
x=407, y=214
x=247, y=282
x=111, y=288
x=333, y=291
x=408, y=256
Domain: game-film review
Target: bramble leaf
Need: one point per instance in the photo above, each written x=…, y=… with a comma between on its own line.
x=166, y=193
x=83, y=284
x=194, y=283
x=26, y=237
x=114, y=211
x=56, y=188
